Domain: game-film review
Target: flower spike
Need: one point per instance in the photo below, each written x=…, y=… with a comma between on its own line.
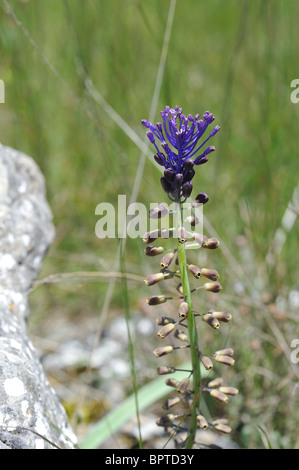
x=180, y=148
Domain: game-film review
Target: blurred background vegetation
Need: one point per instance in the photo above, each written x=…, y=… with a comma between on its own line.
x=234, y=58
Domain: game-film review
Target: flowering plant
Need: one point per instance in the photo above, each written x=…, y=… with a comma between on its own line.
x=180, y=137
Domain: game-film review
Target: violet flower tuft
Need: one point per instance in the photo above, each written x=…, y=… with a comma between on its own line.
x=179, y=137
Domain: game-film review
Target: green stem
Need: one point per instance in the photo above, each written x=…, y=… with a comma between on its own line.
x=193, y=343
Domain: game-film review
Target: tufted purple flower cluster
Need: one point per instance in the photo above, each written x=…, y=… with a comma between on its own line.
x=183, y=134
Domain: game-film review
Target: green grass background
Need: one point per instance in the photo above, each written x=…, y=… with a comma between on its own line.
x=234, y=58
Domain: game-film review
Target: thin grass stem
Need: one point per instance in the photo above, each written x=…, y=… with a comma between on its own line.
x=126, y=303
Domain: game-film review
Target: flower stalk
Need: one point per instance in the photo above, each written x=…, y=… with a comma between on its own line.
x=193, y=340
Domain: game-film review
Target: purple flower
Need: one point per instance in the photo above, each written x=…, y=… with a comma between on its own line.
x=179, y=138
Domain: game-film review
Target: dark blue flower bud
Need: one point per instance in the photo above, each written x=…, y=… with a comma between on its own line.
x=208, y=117
x=145, y=123
x=215, y=130
x=188, y=164
x=177, y=183
x=151, y=137
x=189, y=175
x=166, y=185
x=169, y=175
x=187, y=189
x=160, y=158
x=201, y=198
x=201, y=160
